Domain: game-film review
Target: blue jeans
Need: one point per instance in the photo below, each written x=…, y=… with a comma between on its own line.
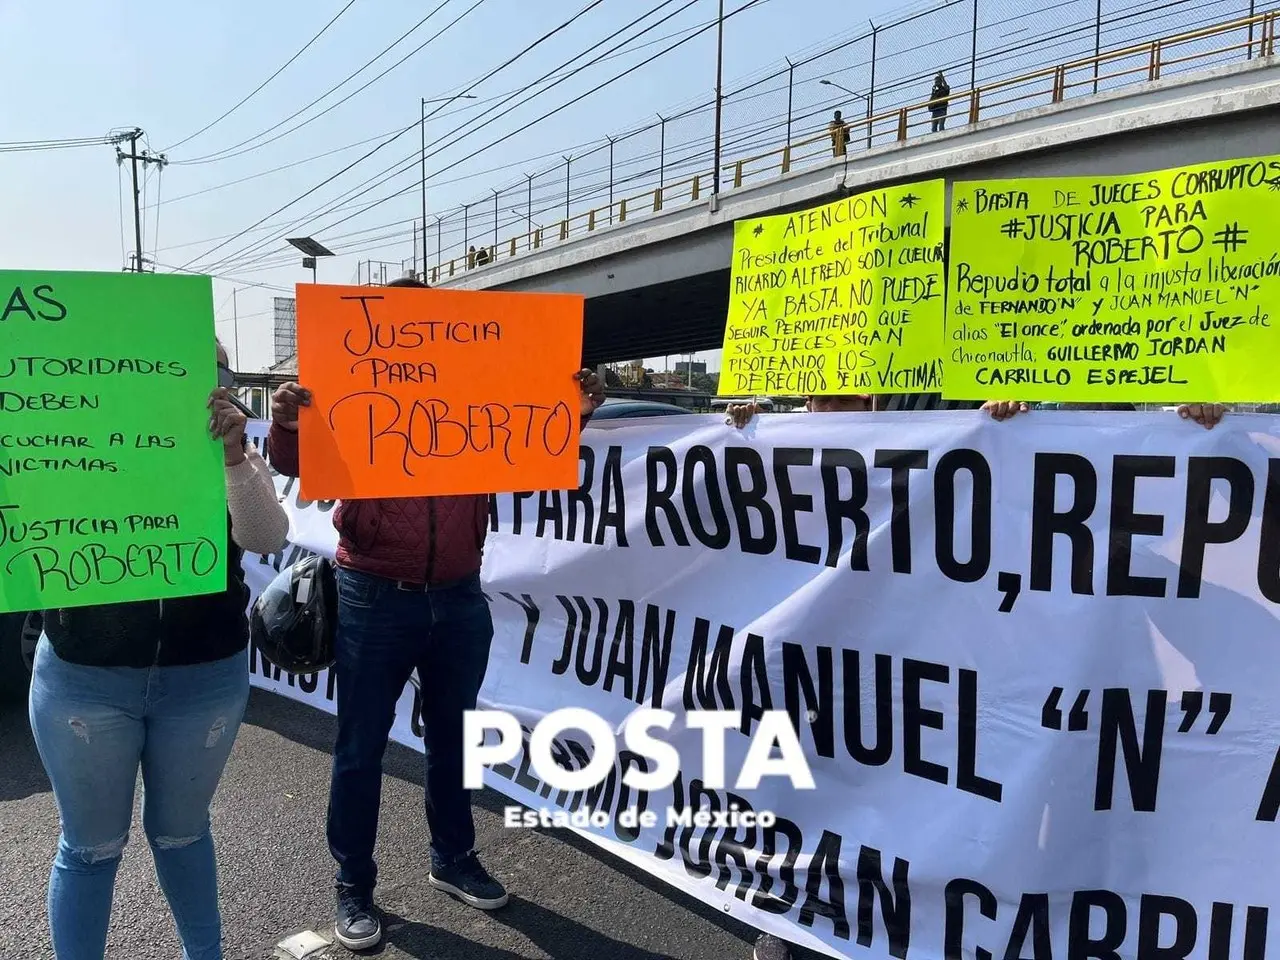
x=384, y=634
x=94, y=727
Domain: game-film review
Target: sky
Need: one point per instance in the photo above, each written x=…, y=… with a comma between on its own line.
x=297, y=159
x=171, y=68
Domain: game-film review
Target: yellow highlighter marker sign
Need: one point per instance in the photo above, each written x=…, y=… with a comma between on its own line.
x=1151, y=288
x=843, y=298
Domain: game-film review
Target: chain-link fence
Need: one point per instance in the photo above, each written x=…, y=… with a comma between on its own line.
x=995, y=56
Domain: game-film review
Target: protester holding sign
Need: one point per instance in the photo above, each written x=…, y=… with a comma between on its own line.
x=1208, y=415
x=161, y=685
x=409, y=598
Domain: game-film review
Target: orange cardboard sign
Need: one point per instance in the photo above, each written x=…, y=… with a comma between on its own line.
x=425, y=392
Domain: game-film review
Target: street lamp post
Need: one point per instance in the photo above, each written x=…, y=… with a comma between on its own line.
x=312, y=250
x=528, y=217
x=853, y=93
x=422, y=123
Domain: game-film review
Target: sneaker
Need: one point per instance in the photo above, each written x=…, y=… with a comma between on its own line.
x=769, y=947
x=470, y=882
x=359, y=927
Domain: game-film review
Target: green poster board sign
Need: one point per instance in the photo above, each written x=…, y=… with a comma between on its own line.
x=111, y=489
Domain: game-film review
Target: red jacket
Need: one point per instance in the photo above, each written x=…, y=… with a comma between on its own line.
x=413, y=539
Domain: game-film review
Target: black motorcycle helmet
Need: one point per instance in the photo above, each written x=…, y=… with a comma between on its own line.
x=294, y=619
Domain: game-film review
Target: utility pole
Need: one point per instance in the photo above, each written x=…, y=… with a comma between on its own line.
x=422, y=122
x=133, y=157
x=1097, y=43
x=715, y=175
x=424, y=187
x=973, y=56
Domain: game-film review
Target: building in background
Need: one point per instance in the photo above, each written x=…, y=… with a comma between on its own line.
x=286, y=328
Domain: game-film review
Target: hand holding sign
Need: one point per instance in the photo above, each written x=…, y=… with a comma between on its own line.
x=422, y=392
x=845, y=298
x=1142, y=288
x=111, y=489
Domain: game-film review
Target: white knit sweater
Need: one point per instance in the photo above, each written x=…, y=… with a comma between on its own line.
x=259, y=523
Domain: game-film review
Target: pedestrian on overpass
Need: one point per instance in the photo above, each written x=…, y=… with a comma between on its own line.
x=161, y=686
x=838, y=130
x=939, y=102
x=409, y=598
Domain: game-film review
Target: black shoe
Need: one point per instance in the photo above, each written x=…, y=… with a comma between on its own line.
x=769, y=947
x=359, y=926
x=467, y=880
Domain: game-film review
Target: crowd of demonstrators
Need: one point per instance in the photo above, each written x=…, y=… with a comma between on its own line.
x=160, y=686
x=1208, y=415
x=409, y=599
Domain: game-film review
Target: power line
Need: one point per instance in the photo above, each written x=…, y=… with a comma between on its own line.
x=228, y=279
x=258, y=89
x=613, y=54
x=746, y=6
x=283, y=166
x=471, y=106
x=32, y=146
x=1008, y=54
x=752, y=131
x=227, y=154
x=385, y=176
x=540, y=40
x=991, y=56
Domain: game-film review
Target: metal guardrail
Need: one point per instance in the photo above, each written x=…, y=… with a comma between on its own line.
x=1047, y=85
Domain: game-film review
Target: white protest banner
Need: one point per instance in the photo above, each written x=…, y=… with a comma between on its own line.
x=1032, y=667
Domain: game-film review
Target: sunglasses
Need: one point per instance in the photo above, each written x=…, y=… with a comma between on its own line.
x=227, y=380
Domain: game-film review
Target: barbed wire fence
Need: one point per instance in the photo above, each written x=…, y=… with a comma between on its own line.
x=869, y=74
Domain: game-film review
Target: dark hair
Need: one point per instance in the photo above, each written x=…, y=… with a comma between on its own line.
x=406, y=282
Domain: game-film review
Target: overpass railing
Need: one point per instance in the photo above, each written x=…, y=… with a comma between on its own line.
x=1247, y=37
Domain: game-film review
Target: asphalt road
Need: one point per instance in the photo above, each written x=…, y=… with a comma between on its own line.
x=568, y=901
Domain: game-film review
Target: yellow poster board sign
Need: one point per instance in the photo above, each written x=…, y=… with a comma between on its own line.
x=1151, y=288
x=843, y=298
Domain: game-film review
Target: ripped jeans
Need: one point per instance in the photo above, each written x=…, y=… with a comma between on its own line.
x=94, y=727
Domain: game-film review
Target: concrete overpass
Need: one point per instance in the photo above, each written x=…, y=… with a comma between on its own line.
x=659, y=285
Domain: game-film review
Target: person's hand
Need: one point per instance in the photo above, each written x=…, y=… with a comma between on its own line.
x=285, y=403
x=740, y=414
x=227, y=423
x=592, y=388
x=1002, y=410
x=1208, y=415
